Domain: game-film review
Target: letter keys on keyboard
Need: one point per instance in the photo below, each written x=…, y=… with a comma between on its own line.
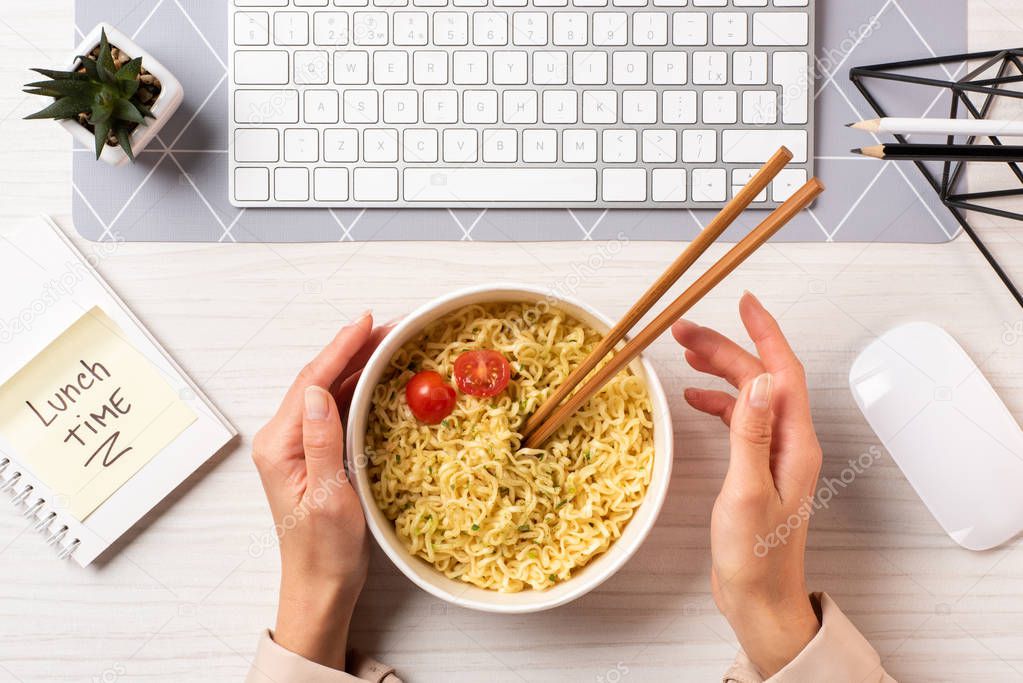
x=519, y=103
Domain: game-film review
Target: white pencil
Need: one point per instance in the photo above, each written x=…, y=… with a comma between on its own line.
x=945, y=127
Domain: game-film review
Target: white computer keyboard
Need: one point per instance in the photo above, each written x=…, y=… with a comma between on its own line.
x=517, y=103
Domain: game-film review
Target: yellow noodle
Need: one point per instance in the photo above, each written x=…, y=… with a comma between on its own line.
x=464, y=496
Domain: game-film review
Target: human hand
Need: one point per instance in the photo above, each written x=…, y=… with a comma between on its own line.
x=317, y=515
x=760, y=585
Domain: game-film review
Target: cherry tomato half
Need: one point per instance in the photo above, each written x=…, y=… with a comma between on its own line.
x=430, y=397
x=482, y=373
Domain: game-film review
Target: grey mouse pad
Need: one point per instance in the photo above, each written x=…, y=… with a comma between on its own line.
x=177, y=190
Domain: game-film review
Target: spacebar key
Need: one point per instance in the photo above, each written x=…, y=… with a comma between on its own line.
x=456, y=185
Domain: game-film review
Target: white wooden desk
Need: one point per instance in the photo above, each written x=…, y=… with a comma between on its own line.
x=185, y=597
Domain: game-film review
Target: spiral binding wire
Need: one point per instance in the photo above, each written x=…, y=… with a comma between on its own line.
x=33, y=509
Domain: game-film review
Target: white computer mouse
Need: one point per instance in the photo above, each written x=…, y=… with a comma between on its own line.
x=944, y=425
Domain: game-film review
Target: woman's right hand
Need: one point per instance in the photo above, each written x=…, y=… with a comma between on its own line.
x=761, y=517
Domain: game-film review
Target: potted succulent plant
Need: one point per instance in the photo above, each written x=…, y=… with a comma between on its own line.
x=114, y=96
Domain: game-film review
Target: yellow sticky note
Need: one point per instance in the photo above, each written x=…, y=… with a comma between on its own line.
x=88, y=412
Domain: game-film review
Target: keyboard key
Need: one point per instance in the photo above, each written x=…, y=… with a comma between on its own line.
x=759, y=107
x=266, y=106
x=628, y=68
x=351, y=67
x=619, y=146
x=660, y=146
x=570, y=28
x=390, y=67
x=500, y=145
x=787, y=183
x=489, y=28
x=560, y=106
x=359, y=106
x=579, y=146
x=710, y=68
x=440, y=106
x=790, y=29
x=469, y=68
x=550, y=68
x=600, y=106
x=749, y=68
x=670, y=68
x=731, y=28
x=330, y=28
x=510, y=67
x=255, y=145
x=401, y=106
x=668, y=185
x=369, y=28
x=757, y=146
x=311, y=67
x=710, y=185
x=500, y=185
x=301, y=145
x=699, y=146
x=420, y=145
x=650, y=28
x=540, y=146
x=792, y=73
x=380, y=145
x=678, y=106
x=460, y=145
x=411, y=28
x=720, y=107
x=689, y=28
x=450, y=28
x=291, y=28
x=376, y=184
x=520, y=106
x=623, y=185
x=741, y=178
x=639, y=106
x=430, y=67
x=340, y=145
x=261, y=67
x=589, y=68
x=479, y=106
x=251, y=28
x=610, y=28
x=330, y=184
x=252, y=184
x=529, y=28
x=291, y=184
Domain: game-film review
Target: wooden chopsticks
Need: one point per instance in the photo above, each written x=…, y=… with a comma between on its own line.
x=561, y=410
x=666, y=281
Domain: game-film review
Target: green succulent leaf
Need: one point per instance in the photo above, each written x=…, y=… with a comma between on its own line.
x=126, y=111
x=67, y=88
x=64, y=108
x=105, y=61
x=91, y=68
x=144, y=110
x=102, y=112
x=130, y=71
x=129, y=88
x=62, y=75
x=124, y=139
x=101, y=133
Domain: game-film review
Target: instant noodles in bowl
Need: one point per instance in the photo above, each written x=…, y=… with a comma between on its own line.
x=464, y=496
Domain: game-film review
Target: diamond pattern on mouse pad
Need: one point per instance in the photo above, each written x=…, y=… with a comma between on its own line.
x=177, y=191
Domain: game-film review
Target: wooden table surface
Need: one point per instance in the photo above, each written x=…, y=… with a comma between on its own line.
x=187, y=594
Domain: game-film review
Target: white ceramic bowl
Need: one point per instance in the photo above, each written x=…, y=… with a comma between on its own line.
x=425, y=575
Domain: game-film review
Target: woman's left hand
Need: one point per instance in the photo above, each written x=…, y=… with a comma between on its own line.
x=317, y=515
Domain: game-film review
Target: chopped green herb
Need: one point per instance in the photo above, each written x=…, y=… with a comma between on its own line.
x=587, y=456
x=444, y=423
x=475, y=527
x=553, y=578
x=397, y=459
x=407, y=505
x=561, y=504
x=532, y=554
x=524, y=528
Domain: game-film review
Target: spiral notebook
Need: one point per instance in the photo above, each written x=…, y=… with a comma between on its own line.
x=97, y=422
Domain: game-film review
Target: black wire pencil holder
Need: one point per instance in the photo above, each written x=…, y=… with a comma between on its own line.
x=972, y=96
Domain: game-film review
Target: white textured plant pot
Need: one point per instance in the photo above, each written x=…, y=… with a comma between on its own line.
x=166, y=104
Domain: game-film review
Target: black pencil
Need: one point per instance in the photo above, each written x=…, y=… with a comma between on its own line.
x=917, y=152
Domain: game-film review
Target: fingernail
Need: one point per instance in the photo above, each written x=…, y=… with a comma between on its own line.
x=365, y=314
x=760, y=393
x=315, y=403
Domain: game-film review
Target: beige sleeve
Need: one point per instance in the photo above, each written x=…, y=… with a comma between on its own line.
x=274, y=664
x=839, y=654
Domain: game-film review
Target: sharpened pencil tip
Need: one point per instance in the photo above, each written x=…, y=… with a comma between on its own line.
x=858, y=150
x=849, y=125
